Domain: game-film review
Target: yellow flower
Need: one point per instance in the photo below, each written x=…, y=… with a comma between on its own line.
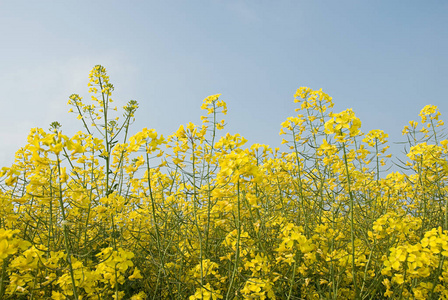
x=136, y=274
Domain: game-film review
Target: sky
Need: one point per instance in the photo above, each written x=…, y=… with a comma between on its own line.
x=384, y=59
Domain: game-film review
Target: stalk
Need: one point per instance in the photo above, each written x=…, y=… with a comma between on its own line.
x=3, y=278
x=209, y=204
x=154, y=215
x=66, y=236
x=238, y=237
x=195, y=210
x=352, y=226
x=300, y=184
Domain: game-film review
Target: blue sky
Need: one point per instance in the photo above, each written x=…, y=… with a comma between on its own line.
x=384, y=59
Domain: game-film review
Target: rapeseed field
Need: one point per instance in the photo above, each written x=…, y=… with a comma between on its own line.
x=200, y=214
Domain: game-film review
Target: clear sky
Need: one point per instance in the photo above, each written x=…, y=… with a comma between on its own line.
x=385, y=59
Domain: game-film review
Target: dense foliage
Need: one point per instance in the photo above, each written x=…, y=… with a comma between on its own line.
x=105, y=215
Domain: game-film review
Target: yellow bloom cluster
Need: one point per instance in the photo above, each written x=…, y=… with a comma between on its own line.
x=104, y=214
x=343, y=120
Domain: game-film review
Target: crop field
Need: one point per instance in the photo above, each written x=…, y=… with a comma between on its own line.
x=200, y=214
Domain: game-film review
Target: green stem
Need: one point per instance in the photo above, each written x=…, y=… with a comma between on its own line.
x=238, y=237
x=66, y=234
x=352, y=226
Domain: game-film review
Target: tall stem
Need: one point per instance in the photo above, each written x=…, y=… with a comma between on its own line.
x=352, y=227
x=237, y=247
x=66, y=237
